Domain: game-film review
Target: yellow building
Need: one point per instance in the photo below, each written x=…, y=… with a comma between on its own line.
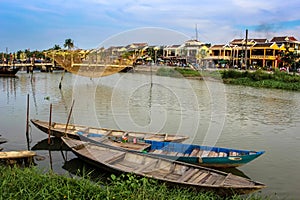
x=260, y=52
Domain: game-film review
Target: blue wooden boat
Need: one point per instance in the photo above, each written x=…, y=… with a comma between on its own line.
x=203, y=155
x=208, y=156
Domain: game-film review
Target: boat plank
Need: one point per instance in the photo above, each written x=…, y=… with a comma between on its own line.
x=191, y=172
x=172, y=176
x=194, y=152
x=230, y=179
x=148, y=165
x=212, y=179
x=219, y=181
x=200, y=153
x=115, y=157
x=195, y=176
x=202, y=176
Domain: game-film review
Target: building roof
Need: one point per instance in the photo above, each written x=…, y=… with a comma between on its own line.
x=218, y=46
x=272, y=45
x=284, y=39
x=260, y=40
x=254, y=40
x=173, y=46
x=237, y=41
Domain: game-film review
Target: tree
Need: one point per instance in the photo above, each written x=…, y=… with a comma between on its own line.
x=69, y=43
x=289, y=59
x=56, y=47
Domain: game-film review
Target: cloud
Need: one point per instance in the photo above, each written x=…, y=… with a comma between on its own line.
x=92, y=21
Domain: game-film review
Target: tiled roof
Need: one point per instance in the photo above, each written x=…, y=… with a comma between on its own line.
x=240, y=41
x=260, y=40
x=269, y=44
x=284, y=39
x=140, y=44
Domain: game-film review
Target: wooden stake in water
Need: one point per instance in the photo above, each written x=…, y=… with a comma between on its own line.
x=61, y=79
x=70, y=113
x=50, y=122
x=27, y=124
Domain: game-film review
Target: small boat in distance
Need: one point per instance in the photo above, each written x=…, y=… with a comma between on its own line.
x=8, y=70
x=73, y=131
x=171, y=172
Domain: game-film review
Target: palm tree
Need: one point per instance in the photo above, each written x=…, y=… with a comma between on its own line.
x=69, y=43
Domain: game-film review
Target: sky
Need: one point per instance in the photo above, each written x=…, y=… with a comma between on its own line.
x=39, y=25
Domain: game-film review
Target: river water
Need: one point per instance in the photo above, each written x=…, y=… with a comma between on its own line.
x=209, y=112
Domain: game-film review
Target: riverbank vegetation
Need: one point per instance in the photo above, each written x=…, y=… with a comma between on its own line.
x=258, y=78
x=31, y=183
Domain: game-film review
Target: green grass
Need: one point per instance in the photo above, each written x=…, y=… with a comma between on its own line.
x=258, y=78
x=177, y=72
x=31, y=183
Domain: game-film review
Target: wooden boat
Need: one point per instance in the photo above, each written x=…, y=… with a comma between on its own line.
x=208, y=156
x=171, y=172
x=59, y=129
x=17, y=157
x=8, y=71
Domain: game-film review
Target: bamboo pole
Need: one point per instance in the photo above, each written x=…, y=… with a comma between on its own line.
x=61, y=79
x=70, y=113
x=27, y=123
x=50, y=122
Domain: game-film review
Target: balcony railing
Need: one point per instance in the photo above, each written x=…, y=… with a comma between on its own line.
x=263, y=57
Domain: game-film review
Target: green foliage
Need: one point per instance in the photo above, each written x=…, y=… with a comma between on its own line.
x=30, y=183
x=69, y=43
x=259, y=78
x=186, y=72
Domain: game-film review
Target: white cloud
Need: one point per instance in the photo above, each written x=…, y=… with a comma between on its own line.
x=218, y=21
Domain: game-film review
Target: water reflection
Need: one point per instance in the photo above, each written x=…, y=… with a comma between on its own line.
x=9, y=87
x=56, y=144
x=78, y=168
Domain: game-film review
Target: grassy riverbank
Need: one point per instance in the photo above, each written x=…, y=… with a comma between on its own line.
x=31, y=183
x=259, y=78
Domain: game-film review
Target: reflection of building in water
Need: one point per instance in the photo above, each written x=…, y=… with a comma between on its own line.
x=9, y=86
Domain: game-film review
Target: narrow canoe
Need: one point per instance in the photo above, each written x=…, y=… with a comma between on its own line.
x=16, y=154
x=171, y=172
x=59, y=130
x=208, y=156
x=17, y=157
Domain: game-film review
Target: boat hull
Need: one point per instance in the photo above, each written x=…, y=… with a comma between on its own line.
x=73, y=131
x=171, y=172
x=210, y=156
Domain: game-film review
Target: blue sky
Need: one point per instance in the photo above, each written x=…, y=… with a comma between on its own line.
x=39, y=25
